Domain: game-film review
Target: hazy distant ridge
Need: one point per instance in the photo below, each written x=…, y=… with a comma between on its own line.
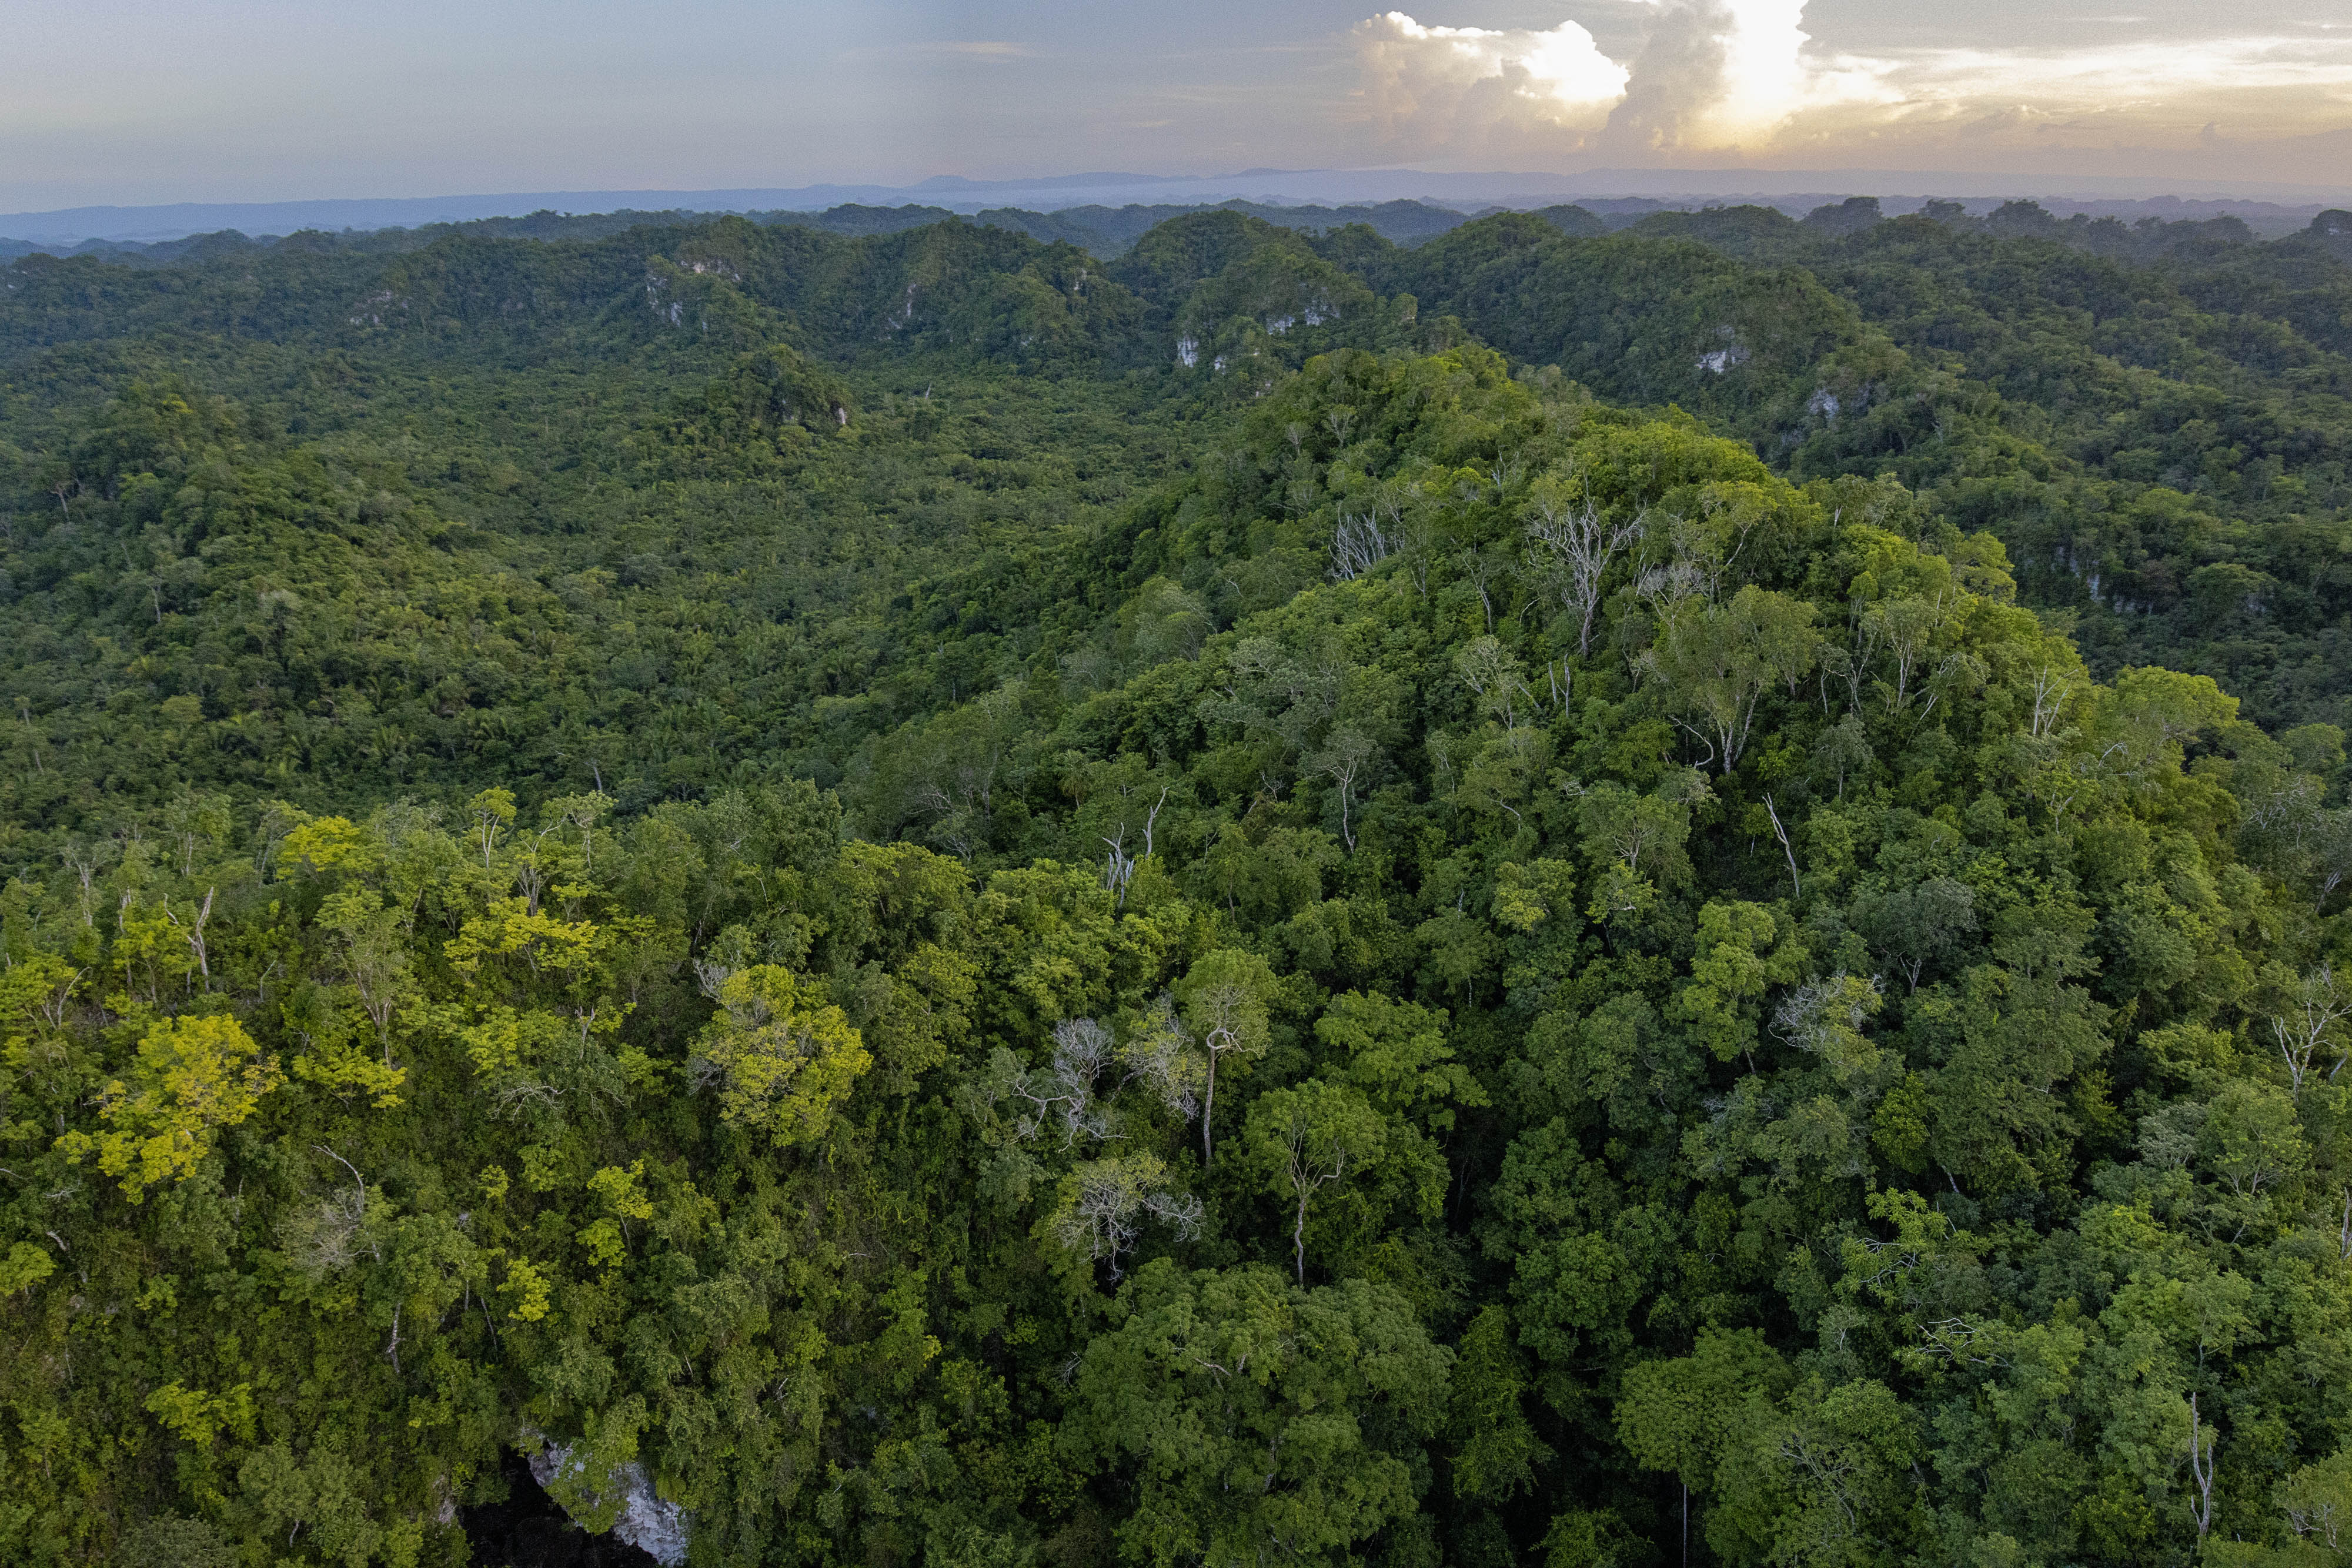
x=1791, y=189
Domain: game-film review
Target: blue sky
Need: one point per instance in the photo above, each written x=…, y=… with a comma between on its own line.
x=142, y=101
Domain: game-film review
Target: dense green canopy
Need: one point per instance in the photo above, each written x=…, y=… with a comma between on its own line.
x=1553, y=898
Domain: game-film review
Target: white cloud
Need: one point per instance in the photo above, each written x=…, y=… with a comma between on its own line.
x=2135, y=71
x=1713, y=73
x=1728, y=74
x=2146, y=94
x=1736, y=79
x=1477, y=88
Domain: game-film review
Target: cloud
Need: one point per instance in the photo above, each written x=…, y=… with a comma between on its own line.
x=1736, y=80
x=1475, y=89
x=2153, y=70
x=2121, y=101
x=1710, y=73
x=985, y=48
x=1728, y=73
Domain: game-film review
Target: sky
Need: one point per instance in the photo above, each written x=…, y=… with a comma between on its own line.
x=137, y=101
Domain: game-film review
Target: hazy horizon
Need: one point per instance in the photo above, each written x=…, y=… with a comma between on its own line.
x=2277, y=210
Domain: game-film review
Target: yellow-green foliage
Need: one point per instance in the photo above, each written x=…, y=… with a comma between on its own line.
x=192, y=1076
x=783, y=1057
x=528, y=1287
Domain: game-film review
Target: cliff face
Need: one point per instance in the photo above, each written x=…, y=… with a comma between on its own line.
x=621, y=1502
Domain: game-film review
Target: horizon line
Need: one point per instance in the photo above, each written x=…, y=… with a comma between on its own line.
x=147, y=222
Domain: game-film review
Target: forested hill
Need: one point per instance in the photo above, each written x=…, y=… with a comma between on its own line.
x=927, y=899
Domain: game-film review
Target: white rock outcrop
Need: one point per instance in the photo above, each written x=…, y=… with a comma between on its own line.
x=655, y=1526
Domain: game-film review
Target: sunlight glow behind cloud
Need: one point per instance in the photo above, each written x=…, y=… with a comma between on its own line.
x=1742, y=80
x=1710, y=74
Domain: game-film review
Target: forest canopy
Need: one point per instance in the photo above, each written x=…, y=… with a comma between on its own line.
x=923, y=898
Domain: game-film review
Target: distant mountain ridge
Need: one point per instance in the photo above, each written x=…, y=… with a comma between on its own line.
x=1106, y=231
x=1795, y=191
x=1752, y=230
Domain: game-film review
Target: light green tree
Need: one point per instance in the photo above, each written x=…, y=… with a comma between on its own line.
x=782, y=1057
x=192, y=1076
x=1223, y=996
x=1310, y=1137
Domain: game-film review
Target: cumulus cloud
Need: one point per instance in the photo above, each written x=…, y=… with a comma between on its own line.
x=1708, y=73
x=1486, y=89
x=1741, y=78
